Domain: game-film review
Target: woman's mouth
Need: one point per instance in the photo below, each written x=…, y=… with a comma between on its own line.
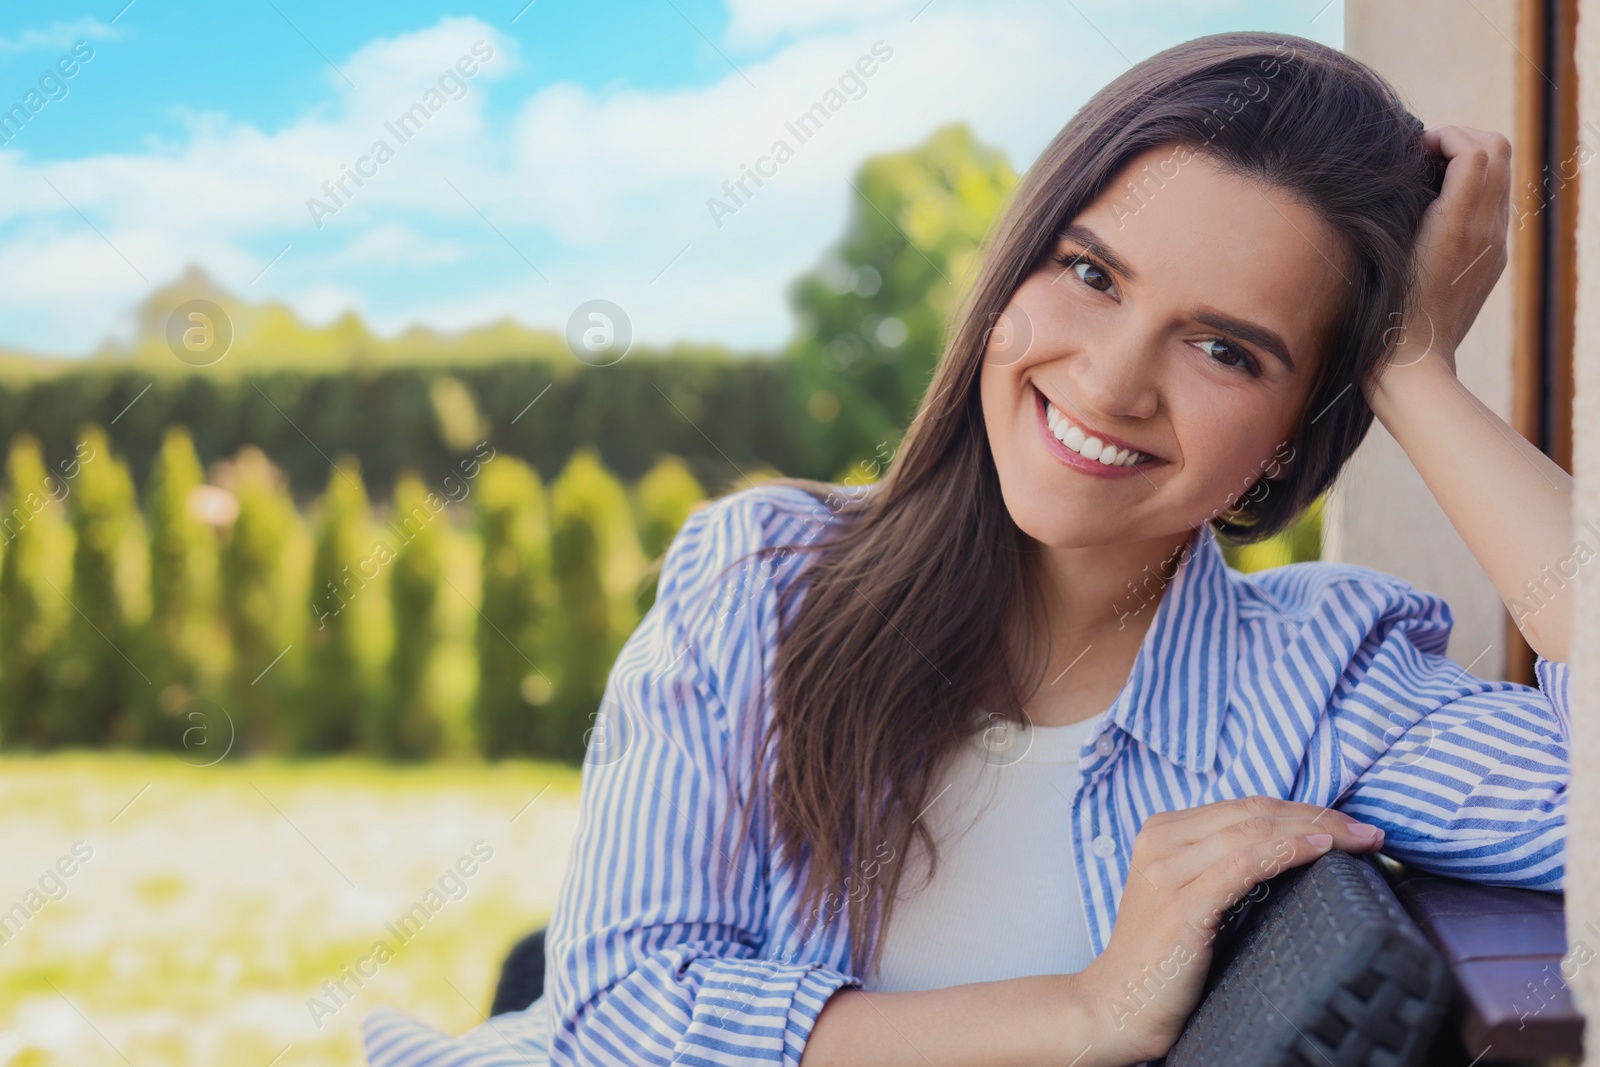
x=1086, y=449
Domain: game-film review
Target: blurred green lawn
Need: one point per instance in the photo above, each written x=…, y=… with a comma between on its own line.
x=219, y=899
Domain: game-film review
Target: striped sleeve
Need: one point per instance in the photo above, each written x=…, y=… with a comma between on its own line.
x=655, y=945
x=1467, y=777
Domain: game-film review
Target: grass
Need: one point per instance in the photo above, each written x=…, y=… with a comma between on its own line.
x=215, y=902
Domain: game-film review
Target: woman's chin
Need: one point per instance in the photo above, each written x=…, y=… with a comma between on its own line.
x=1061, y=524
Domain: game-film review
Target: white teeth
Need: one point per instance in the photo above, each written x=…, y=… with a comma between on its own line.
x=1071, y=435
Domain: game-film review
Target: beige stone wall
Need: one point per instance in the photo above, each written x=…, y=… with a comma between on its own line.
x=1452, y=62
x=1583, y=849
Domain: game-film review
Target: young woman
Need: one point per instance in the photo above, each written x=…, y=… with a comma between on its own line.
x=941, y=771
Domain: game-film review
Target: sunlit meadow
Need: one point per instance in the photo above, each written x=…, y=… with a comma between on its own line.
x=218, y=900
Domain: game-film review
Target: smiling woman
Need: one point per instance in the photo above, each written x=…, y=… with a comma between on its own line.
x=836, y=684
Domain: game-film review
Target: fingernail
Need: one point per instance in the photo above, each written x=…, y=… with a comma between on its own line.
x=1320, y=840
x=1365, y=831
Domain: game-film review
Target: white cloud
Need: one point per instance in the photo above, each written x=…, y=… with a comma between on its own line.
x=58, y=35
x=228, y=183
x=388, y=243
x=390, y=74
x=753, y=23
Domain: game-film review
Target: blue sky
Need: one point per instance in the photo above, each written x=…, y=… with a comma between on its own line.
x=574, y=163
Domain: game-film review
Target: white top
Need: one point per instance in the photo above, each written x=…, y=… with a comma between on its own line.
x=1004, y=901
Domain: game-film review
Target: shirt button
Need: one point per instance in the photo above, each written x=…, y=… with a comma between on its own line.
x=1104, y=847
x=1104, y=745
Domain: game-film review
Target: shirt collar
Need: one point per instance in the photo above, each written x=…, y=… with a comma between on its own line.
x=1176, y=697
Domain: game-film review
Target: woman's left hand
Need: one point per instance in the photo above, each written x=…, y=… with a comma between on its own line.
x=1510, y=503
x=1460, y=249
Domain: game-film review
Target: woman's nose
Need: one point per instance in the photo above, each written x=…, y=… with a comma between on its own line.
x=1118, y=378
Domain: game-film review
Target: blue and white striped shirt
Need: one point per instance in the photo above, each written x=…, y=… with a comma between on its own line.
x=1319, y=682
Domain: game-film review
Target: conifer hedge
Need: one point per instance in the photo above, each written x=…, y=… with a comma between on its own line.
x=214, y=617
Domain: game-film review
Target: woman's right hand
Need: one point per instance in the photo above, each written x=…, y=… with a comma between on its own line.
x=1189, y=869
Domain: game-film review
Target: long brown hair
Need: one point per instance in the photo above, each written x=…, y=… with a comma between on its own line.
x=902, y=636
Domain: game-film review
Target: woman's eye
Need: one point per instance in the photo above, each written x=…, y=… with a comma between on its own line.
x=1092, y=276
x=1088, y=271
x=1229, y=354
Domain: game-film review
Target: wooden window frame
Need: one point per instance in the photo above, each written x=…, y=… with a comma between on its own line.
x=1544, y=213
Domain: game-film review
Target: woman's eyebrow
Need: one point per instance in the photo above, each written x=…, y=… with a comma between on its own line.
x=1089, y=239
x=1248, y=332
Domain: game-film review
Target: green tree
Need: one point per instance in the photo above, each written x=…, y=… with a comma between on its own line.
x=96, y=676
x=598, y=563
x=262, y=590
x=873, y=314
x=586, y=486
x=513, y=525
x=34, y=577
x=184, y=651
x=663, y=499
x=344, y=645
x=409, y=721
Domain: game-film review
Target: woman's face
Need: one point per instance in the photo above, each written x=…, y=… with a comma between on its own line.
x=1178, y=326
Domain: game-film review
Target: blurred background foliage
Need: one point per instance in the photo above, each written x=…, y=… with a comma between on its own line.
x=183, y=565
